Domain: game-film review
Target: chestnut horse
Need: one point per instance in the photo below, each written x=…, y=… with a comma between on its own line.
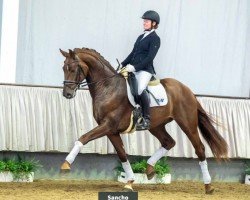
x=112, y=111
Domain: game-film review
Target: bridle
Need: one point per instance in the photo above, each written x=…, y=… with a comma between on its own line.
x=77, y=81
x=78, y=75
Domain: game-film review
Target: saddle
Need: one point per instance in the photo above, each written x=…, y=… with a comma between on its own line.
x=154, y=81
x=156, y=92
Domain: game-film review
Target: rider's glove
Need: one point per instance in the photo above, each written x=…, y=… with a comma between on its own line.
x=130, y=68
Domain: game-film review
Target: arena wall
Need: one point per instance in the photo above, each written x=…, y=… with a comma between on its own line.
x=37, y=122
x=101, y=167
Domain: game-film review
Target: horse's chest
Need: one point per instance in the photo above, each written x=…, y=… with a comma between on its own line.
x=98, y=112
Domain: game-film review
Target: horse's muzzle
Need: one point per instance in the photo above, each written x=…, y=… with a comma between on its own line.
x=69, y=94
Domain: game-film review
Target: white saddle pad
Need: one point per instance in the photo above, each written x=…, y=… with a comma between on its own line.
x=158, y=91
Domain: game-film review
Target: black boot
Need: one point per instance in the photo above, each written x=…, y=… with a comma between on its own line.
x=145, y=122
x=133, y=87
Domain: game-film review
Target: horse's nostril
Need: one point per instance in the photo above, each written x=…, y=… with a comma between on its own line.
x=68, y=95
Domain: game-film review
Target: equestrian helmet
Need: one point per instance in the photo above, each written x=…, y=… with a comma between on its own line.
x=152, y=15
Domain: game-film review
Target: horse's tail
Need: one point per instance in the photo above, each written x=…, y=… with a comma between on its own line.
x=217, y=143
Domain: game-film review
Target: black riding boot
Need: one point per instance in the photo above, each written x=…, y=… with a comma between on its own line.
x=144, y=101
x=133, y=87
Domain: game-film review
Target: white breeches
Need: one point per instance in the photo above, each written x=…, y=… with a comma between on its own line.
x=143, y=79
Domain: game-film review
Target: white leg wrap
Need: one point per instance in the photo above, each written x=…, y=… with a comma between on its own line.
x=157, y=156
x=128, y=170
x=72, y=155
x=205, y=172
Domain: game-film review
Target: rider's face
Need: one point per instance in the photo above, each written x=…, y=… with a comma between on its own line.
x=147, y=24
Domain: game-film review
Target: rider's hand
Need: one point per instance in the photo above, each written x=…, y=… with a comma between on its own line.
x=123, y=71
x=130, y=68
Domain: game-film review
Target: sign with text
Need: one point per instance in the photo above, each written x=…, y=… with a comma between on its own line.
x=118, y=196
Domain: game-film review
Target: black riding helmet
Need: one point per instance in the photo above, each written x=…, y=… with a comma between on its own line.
x=152, y=15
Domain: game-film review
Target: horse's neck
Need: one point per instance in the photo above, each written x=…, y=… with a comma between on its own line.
x=101, y=80
x=98, y=72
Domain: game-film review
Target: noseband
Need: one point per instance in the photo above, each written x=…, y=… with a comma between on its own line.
x=78, y=76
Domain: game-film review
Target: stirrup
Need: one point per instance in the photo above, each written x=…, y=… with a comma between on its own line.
x=144, y=125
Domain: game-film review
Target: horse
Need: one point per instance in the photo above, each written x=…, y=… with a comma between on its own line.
x=112, y=112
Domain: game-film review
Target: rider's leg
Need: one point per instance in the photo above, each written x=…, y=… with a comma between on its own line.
x=143, y=79
x=134, y=87
x=145, y=123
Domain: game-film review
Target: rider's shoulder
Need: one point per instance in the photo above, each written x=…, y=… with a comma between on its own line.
x=155, y=37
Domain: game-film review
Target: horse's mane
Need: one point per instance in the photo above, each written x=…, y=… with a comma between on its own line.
x=96, y=54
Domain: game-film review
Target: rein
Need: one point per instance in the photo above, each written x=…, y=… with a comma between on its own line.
x=84, y=83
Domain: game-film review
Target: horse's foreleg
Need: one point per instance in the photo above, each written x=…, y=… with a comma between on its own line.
x=97, y=132
x=118, y=144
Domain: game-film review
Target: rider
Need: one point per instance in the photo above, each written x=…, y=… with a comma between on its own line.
x=140, y=62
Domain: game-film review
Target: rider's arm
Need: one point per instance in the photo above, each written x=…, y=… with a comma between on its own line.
x=130, y=56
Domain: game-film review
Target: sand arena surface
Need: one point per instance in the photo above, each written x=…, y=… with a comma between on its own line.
x=88, y=190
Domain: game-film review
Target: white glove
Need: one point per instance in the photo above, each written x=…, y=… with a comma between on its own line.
x=130, y=68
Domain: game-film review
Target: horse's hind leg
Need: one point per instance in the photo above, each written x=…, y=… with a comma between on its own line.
x=189, y=125
x=167, y=142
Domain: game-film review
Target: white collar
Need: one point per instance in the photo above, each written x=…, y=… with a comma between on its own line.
x=149, y=31
x=146, y=33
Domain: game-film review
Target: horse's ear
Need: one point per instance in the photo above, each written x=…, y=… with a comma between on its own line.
x=65, y=54
x=71, y=53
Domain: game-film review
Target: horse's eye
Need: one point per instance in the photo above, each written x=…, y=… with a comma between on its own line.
x=64, y=68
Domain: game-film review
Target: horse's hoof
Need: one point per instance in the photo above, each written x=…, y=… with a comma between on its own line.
x=127, y=188
x=209, y=189
x=64, y=171
x=150, y=172
x=65, y=167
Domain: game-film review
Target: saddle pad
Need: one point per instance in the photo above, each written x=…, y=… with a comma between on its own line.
x=158, y=91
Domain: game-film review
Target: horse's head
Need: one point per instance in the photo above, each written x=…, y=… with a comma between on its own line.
x=75, y=71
